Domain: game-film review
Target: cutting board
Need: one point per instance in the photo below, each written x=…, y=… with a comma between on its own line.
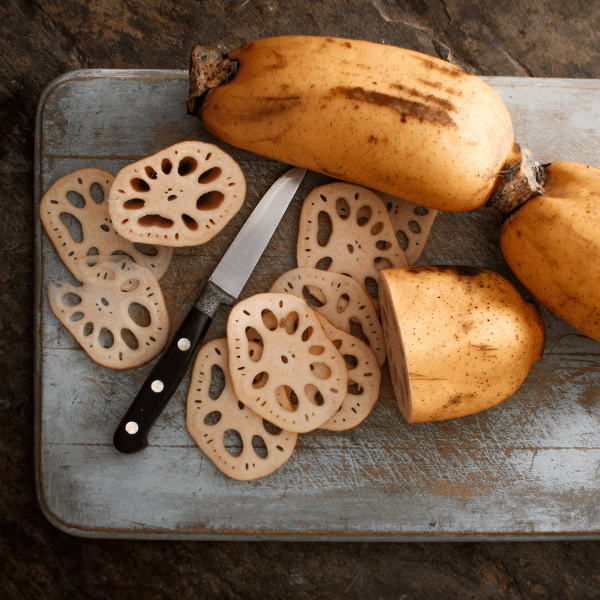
x=525, y=469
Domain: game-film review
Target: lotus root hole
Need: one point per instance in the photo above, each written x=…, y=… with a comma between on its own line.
x=71, y=299
x=383, y=245
x=350, y=248
x=421, y=211
x=324, y=263
x=403, y=240
x=337, y=344
x=325, y=228
x=363, y=215
x=106, y=338
x=76, y=199
x=255, y=353
x=260, y=380
x=129, y=338
x=351, y=361
x=254, y=336
x=139, y=314
x=190, y=223
x=146, y=249
x=286, y=398
x=307, y=333
x=187, y=166
x=357, y=331
x=414, y=227
x=140, y=185
x=342, y=208
x=314, y=296
x=150, y=173
x=166, y=166
x=269, y=319
x=73, y=226
x=313, y=394
x=270, y=428
x=217, y=382
x=320, y=370
x=291, y=322
x=212, y=418
x=259, y=446
x=88, y=329
x=343, y=302
x=233, y=443
x=97, y=193
x=381, y=262
x=316, y=350
x=284, y=360
x=155, y=221
x=76, y=316
x=210, y=200
x=355, y=389
x=210, y=175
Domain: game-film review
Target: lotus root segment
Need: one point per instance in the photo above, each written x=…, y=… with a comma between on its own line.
x=551, y=244
x=364, y=378
x=118, y=315
x=412, y=224
x=298, y=380
x=459, y=339
x=345, y=228
x=239, y=442
x=340, y=299
x=181, y=196
x=75, y=215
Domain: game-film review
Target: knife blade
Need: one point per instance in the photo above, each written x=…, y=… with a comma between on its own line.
x=223, y=287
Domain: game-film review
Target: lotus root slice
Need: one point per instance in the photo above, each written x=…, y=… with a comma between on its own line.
x=340, y=299
x=364, y=379
x=241, y=444
x=74, y=213
x=181, y=196
x=118, y=315
x=412, y=224
x=298, y=379
x=345, y=228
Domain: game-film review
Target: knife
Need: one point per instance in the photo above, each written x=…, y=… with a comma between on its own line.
x=223, y=287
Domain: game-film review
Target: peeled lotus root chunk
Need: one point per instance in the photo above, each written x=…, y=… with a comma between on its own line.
x=74, y=213
x=345, y=228
x=241, y=444
x=364, y=379
x=181, y=196
x=118, y=316
x=298, y=379
x=412, y=224
x=341, y=300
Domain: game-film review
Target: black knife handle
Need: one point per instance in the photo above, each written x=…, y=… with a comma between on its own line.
x=132, y=433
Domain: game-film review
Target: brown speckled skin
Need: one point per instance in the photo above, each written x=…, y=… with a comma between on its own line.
x=469, y=339
x=552, y=244
x=44, y=39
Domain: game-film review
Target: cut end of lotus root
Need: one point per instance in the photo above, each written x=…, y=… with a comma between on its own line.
x=340, y=299
x=181, y=196
x=240, y=443
x=74, y=213
x=118, y=316
x=345, y=228
x=299, y=380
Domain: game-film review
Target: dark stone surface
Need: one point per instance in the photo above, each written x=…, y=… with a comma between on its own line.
x=40, y=40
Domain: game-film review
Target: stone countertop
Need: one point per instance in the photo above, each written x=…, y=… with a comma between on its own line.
x=43, y=39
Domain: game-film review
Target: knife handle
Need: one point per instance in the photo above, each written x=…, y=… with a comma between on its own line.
x=132, y=433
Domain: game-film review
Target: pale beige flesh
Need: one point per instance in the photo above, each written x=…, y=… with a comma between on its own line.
x=345, y=228
x=239, y=442
x=181, y=196
x=118, y=316
x=340, y=299
x=74, y=213
x=364, y=379
x=299, y=379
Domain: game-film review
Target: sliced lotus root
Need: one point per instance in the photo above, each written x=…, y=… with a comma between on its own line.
x=345, y=228
x=74, y=212
x=412, y=224
x=181, y=196
x=240, y=443
x=118, y=315
x=297, y=379
x=364, y=378
x=340, y=299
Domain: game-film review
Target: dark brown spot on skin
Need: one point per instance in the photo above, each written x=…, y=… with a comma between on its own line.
x=442, y=68
x=406, y=108
x=446, y=104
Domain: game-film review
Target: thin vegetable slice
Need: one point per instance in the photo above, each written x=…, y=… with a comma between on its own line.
x=216, y=419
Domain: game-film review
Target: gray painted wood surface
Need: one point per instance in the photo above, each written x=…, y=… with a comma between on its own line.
x=527, y=468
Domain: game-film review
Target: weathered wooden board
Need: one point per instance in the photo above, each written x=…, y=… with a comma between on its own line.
x=526, y=469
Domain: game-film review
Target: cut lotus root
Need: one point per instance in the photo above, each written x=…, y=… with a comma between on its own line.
x=341, y=300
x=239, y=442
x=364, y=378
x=181, y=196
x=297, y=379
x=412, y=224
x=74, y=212
x=118, y=315
x=345, y=228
